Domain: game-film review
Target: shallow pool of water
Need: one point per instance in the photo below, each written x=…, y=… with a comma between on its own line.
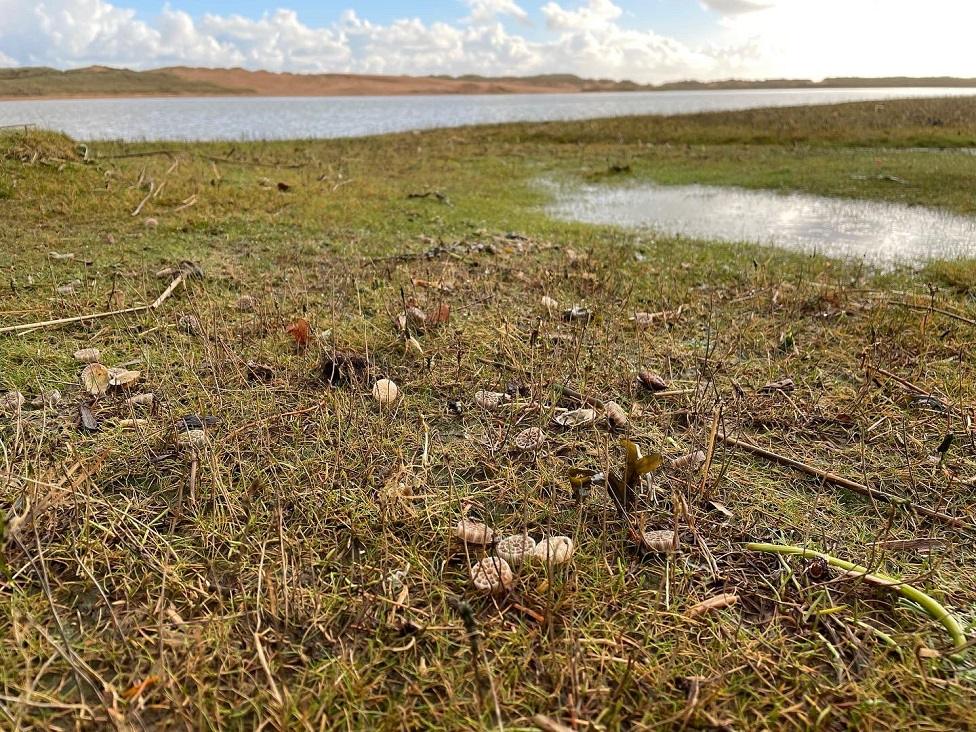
x=881, y=234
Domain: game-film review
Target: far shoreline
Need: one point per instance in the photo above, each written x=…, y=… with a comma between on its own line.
x=460, y=93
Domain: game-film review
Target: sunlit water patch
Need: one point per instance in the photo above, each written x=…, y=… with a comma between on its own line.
x=881, y=234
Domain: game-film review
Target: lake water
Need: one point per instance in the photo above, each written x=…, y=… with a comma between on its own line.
x=249, y=118
x=880, y=234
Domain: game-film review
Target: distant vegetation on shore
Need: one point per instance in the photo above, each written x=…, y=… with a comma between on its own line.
x=100, y=81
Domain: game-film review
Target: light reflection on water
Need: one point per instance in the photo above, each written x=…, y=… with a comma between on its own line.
x=879, y=233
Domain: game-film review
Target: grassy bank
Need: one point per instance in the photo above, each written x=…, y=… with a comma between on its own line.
x=298, y=569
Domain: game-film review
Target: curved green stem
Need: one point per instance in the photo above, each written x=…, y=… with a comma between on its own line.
x=933, y=608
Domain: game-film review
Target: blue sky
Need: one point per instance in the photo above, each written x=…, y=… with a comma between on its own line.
x=643, y=40
x=677, y=18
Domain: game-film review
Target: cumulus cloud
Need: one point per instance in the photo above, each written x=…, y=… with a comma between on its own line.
x=734, y=7
x=595, y=14
x=486, y=11
x=591, y=38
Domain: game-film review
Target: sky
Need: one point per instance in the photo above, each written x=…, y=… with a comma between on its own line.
x=649, y=41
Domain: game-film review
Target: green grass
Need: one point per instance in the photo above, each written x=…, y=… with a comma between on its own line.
x=98, y=81
x=255, y=592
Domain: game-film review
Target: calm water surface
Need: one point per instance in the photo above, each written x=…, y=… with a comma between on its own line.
x=249, y=118
x=882, y=234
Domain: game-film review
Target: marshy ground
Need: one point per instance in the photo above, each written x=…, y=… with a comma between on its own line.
x=298, y=567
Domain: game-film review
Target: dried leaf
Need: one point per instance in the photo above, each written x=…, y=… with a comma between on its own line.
x=412, y=345
x=441, y=315
x=726, y=599
x=86, y=419
x=623, y=490
x=301, y=331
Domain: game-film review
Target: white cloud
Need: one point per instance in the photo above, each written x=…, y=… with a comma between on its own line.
x=591, y=38
x=486, y=11
x=593, y=15
x=799, y=38
x=733, y=7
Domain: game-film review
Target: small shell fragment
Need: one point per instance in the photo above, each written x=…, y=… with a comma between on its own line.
x=661, y=542
x=553, y=551
x=531, y=439
x=783, y=385
x=577, y=312
x=96, y=379
x=513, y=549
x=151, y=223
x=693, y=460
x=492, y=574
x=576, y=418
x=189, y=324
x=616, y=415
x=141, y=400
x=550, y=305
x=474, y=532
x=245, y=303
x=123, y=377
x=643, y=320
x=88, y=355
x=259, y=371
x=651, y=381
x=385, y=392
x=47, y=398
x=191, y=439
x=416, y=318
x=131, y=424
x=490, y=399
x=11, y=402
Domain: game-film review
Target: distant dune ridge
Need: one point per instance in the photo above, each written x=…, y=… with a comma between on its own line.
x=103, y=81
